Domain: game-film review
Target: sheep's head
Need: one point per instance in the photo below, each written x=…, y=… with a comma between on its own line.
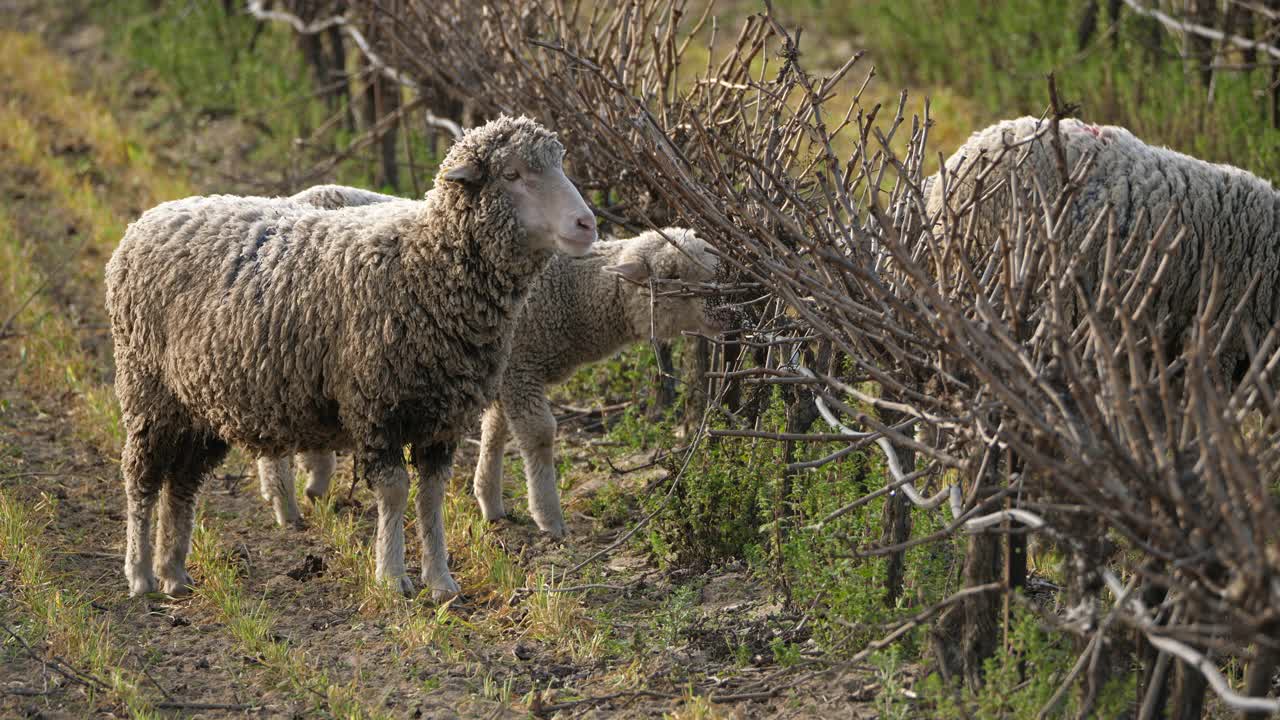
x=523, y=162
x=677, y=271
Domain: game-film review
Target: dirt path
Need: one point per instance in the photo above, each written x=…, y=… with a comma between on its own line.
x=288, y=622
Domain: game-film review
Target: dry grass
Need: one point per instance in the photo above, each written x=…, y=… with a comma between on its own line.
x=251, y=624
x=60, y=618
x=90, y=186
x=490, y=578
x=94, y=169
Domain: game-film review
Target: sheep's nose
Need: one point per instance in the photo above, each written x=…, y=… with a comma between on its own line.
x=586, y=222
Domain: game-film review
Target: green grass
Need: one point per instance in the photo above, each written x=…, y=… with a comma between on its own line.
x=85, y=192
x=250, y=623
x=228, y=65
x=46, y=612
x=63, y=149
x=488, y=574
x=997, y=55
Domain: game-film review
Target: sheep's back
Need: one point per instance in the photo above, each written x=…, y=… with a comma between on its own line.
x=1226, y=212
x=237, y=307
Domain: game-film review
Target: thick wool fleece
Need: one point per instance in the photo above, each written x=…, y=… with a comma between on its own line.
x=285, y=328
x=1228, y=213
x=578, y=311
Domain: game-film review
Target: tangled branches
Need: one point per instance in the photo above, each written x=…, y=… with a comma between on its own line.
x=1023, y=380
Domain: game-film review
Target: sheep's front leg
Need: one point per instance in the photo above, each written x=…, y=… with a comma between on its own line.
x=535, y=431
x=390, y=483
x=275, y=480
x=435, y=464
x=487, y=483
x=320, y=467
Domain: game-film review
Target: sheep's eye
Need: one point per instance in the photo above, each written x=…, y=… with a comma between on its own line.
x=511, y=175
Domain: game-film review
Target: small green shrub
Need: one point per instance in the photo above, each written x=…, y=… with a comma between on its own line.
x=718, y=509
x=612, y=506
x=672, y=622
x=1020, y=678
x=735, y=502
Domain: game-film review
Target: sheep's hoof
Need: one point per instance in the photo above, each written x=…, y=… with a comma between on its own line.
x=180, y=587
x=442, y=589
x=141, y=584
x=556, y=530
x=402, y=585
x=313, y=496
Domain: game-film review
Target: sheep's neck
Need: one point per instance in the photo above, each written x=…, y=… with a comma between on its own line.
x=480, y=267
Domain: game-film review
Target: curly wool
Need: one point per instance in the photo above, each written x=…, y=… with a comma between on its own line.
x=1229, y=214
x=281, y=328
x=578, y=311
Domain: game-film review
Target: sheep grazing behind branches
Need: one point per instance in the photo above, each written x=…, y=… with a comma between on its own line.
x=579, y=310
x=285, y=328
x=1230, y=216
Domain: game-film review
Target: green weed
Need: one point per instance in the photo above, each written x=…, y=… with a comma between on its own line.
x=997, y=54
x=1021, y=676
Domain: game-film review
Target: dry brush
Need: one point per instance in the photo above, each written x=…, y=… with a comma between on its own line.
x=1009, y=396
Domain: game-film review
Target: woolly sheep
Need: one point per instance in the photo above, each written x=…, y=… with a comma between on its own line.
x=1228, y=213
x=284, y=328
x=579, y=310
x=275, y=474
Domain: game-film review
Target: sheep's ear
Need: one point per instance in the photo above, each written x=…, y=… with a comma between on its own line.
x=634, y=270
x=468, y=173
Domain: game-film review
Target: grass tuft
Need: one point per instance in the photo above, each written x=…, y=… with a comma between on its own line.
x=61, y=618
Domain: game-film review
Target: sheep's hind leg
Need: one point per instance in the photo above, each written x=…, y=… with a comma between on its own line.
x=487, y=483
x=320, y=467
x=142, y=480
x=535, y=429
x=275, y=476
x=435, y=464
x=390, y=483
x=197, y=454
